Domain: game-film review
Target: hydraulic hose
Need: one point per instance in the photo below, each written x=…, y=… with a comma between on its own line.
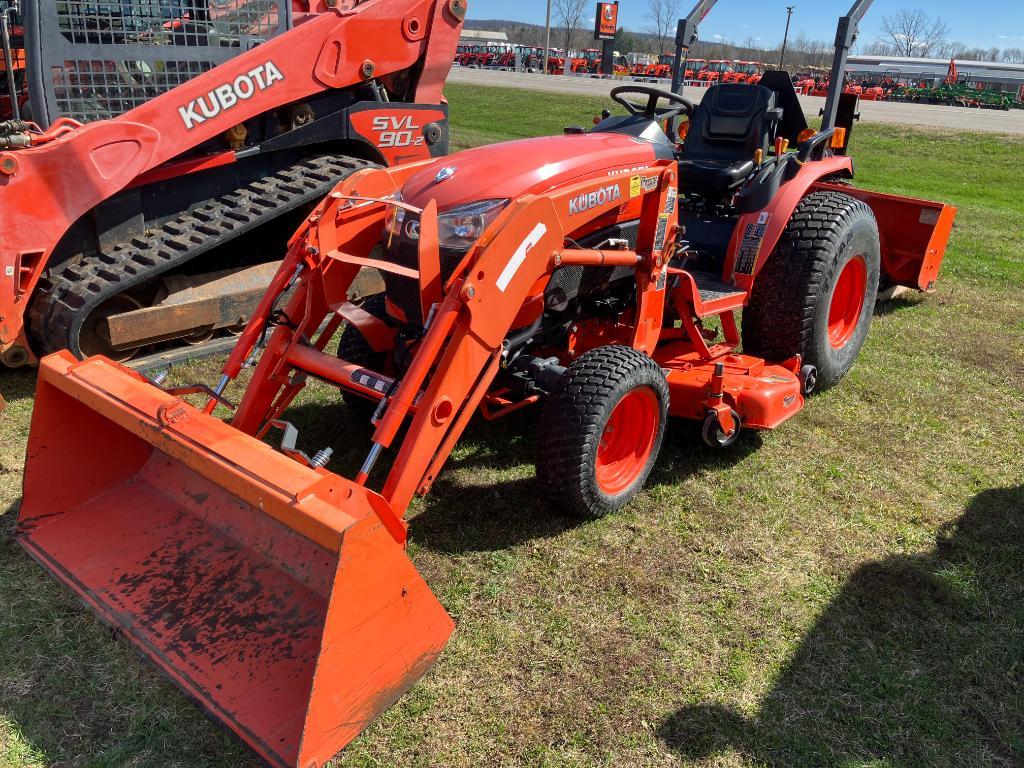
x=12, y=88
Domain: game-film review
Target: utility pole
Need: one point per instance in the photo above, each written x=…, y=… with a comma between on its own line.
x=547, y=38
x=785, y=39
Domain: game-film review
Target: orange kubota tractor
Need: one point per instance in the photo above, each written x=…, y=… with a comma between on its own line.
x=584, y=274
x=168, y=150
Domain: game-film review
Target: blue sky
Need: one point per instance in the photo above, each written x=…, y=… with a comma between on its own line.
x=985, y=23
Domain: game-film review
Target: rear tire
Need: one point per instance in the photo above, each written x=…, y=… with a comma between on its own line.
x=816, y=295
x=601, y=432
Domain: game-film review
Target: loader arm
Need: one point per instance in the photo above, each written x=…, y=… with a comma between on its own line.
x=461, y=351
x=59, y=181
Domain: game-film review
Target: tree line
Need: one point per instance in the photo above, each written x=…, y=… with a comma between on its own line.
x=908, y=34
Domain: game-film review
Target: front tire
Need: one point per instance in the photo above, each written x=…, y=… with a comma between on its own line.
x=816, y=295
x=601, y=432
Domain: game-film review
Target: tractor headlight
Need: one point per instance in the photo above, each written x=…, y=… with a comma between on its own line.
x=458, y=228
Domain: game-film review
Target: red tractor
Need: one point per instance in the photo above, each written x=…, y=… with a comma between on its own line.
x=804, y=84
x=556, y=61
x=748, y=72
x=715, y=71
x=587, y=275
x=150, y=191
x=485, y=56
x=612, y=279
x=507, y=57
x=585, y=62
x=639, y=64
x=694, y=67
x=663, y=68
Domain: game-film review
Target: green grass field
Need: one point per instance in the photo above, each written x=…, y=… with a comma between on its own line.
x=846, y=591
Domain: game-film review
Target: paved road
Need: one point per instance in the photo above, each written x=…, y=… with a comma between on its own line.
x=871, y=111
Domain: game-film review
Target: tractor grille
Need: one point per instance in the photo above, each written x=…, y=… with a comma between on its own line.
x=568, y=283
x=404, y=292
x=94, y=60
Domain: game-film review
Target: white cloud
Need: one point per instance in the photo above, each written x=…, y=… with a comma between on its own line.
x=719, y=37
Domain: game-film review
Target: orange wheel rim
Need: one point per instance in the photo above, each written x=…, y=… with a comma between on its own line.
x=847, y=302
x=627, y=441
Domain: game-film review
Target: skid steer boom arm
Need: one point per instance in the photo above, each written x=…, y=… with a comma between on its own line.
x=56, y=182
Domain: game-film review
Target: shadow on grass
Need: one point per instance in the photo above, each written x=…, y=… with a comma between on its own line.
x=918, y=661
x=19, y=384
x=459, y=518
x=899, y=303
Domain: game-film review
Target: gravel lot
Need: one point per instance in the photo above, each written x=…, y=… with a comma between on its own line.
x=958, y=118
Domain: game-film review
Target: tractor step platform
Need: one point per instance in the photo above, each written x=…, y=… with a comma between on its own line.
x=712, y=288
x=711, y=296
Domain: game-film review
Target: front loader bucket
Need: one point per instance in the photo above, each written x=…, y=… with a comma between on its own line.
x=277, y=596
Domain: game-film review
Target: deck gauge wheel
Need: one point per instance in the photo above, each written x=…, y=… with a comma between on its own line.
x=714, y=435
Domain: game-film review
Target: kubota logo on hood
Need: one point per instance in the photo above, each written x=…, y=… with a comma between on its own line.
x=224, y=97
x=603, y=196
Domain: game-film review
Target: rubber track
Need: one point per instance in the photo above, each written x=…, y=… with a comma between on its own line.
x=779, y=321
x=83, y=283
x=573, y=421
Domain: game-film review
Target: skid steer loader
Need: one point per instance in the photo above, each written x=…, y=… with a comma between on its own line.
x=574, y=272
x=166, y=152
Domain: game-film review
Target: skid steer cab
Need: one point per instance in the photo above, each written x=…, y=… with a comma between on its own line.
x=597, y=275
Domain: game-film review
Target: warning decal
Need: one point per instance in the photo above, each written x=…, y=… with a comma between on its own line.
x=750, y=248
x=659, y=238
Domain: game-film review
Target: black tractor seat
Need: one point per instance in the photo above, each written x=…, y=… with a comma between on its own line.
x=732, y=121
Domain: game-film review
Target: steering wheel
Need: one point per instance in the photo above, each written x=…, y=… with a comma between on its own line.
x=654, y=95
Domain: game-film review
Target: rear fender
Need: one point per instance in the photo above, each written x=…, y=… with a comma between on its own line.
x=914, y=235
x=758, y=233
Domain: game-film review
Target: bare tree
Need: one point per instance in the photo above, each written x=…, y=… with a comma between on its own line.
x=914, y=33
x=569, y=14
x=1013, y=56
x=951, y=49
x=664, y=15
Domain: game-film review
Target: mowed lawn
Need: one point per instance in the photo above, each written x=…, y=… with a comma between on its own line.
x=845, y=591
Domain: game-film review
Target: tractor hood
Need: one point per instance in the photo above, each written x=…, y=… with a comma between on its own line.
x=512, y=169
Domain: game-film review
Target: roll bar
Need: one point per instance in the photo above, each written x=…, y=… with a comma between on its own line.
x=846, y=36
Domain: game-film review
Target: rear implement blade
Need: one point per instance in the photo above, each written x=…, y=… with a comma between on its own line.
x=278, y=597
